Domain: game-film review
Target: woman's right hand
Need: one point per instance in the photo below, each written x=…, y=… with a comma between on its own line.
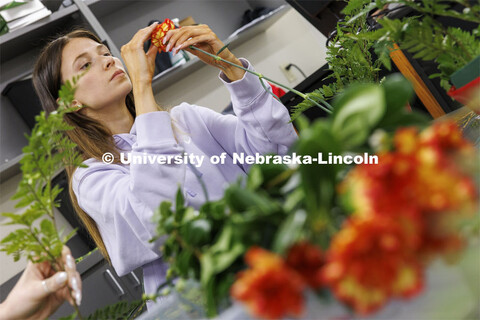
x=141, y=68
x=140, y=65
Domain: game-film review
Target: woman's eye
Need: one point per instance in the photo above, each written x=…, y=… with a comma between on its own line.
x=84, y=66
x=107, y=54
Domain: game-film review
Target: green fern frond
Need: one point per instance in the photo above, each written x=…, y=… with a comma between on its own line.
x=317, y=95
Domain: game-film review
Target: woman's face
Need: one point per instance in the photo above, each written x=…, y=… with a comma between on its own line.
x=106, y=83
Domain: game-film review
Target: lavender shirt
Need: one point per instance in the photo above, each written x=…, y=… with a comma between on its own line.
x=121, y=198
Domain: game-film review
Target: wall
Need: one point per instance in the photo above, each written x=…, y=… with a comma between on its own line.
x=291, y=39
x=9, y=268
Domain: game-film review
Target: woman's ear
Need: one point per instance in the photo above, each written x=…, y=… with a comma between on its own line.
x=75, y=103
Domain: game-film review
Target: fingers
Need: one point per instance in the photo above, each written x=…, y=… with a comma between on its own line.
x=55, y=282
x=74, y=279
x=191, y=42
x=152, y=52
x=137, y=41
x=177, y=37
x=140, y=65
x=142, y=35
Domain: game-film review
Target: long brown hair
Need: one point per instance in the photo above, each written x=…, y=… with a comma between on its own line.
x=92, y=138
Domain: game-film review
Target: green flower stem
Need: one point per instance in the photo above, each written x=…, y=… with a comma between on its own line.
x=327, y=109
x=55, y=265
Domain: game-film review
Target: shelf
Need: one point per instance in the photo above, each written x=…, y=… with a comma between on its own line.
x=101, y=8
x=31, y=36
x=10, y=168
x=174, y=74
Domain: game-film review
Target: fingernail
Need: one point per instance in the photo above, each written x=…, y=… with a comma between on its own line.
x=61, y=277
x=78, y=297
x=70, y=262
x=164, y=40
x=169, y=47
x=75, y=284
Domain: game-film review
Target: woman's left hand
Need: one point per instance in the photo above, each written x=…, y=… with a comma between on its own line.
x=202, y=37
x=40, y=290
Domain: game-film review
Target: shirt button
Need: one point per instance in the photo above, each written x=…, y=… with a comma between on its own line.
x=187, y=139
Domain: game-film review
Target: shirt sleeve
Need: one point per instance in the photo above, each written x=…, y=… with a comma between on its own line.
x=261, y=124
x=122, y=201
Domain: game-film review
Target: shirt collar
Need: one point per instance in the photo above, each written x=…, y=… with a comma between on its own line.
x=126, y=136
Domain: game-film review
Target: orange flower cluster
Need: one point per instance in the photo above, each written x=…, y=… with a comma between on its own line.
x=273, y=288
x=307, y=260
x=406, y=210
x=159, y=33
x=369, y=260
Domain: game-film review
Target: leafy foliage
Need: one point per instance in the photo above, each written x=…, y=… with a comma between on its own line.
x=119, y=311
x=349, y=59
x=47, y=152
x=471, y=12
x=450, y=47
x=318, y=95
x=349, y=52
x=276, y=206
x=203, y=244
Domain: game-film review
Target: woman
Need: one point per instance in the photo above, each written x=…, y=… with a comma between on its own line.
x=119, y=114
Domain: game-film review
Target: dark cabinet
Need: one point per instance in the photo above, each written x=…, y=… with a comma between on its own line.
x=322, y=14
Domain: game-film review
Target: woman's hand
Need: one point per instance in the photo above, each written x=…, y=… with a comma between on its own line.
x=40, y=291
x=202, y=37
x=141, y=68
x=140, y=65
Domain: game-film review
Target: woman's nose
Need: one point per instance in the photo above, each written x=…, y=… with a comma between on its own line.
x=109, y=62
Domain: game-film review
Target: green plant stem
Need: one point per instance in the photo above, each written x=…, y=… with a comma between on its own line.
x=49, y=183
x=54, y=263
x=52, y=258
x=280, y=178
x=261, y=76
x=139, y=308
x=75, y=306
x=185, y=245
x=39, y=201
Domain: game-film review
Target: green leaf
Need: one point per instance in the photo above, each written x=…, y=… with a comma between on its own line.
x=356, y=111
x=179, y=203
x=254, y=178
x=225, y=259
x=16, y=219
x=398, y=92
x=403, y=119
x=182, y=262
x=224, y=240
x=241, y=200
x=301, y=122
x=318, y=181
x=207, y=268
x=47, y=227
x=3, y=26
x=290, y=231
x=11, y=5
x=197, y=232
x=69, y=236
